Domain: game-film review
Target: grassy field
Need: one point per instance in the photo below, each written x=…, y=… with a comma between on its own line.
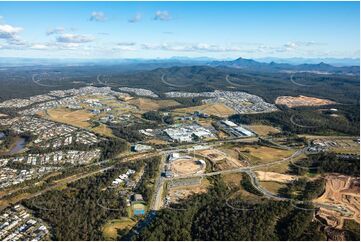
x=147, y=104
x=110, y=229
x=103, y=130
x=217, y=109
x=263, y=130
x=78, y=118
x=263, y=154
x=272, y=186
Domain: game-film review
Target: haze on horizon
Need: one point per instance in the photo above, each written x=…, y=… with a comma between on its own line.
x=166, y=29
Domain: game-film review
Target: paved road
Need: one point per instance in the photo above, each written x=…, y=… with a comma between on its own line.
x=157, y=198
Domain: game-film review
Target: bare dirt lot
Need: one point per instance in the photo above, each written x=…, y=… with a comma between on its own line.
x=299, y=101
x=222, y=159
x=344, y=191
x=273, y=176
x=178, y=193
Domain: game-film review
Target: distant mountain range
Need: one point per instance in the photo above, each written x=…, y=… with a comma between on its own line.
x=320, y=68
x=240, y=63
x=300, y=60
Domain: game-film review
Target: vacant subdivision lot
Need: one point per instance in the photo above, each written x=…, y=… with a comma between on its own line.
x=300, y=101
x=217, y=109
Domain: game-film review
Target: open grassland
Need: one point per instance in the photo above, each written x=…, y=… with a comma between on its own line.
x=147, y=104
x=78, y=118
x=282, y=168
x=264, y=130
x=217, y=109
x=263, y=154
x=272, y=186
x=102, y=129
x=233, y=180
x=110, y=229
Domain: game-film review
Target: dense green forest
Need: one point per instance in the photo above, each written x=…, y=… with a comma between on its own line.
x=303, y=189
x=207, y=217
x=64, y=210
x=327, y=162
x=308, y=120
x=146, y=184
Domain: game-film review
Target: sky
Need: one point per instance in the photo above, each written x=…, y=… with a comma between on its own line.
x=191, y=29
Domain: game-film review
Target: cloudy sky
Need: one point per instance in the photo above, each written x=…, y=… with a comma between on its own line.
x=166, y=29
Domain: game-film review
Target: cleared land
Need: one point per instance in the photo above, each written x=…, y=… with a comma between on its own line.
x=110, y=229
x=147, y=104
x=217, y=109
x=182, y=192
x=264, y=130
x=222, y=159
x=300, y=101
x=344, y=191
x=78, y=118
x=263, y=154
x=275, y=177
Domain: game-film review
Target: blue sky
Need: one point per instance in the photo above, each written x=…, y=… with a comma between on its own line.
x=166, y=29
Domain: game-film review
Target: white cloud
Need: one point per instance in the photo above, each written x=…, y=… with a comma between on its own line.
x=136, y=18
x=189, y=47
x=9, y=32
x=162, y=15
x=39, y=47
x=59, y=30
x=74, y=38
x=291, y=45
x=97, y=16
x=126, y=43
